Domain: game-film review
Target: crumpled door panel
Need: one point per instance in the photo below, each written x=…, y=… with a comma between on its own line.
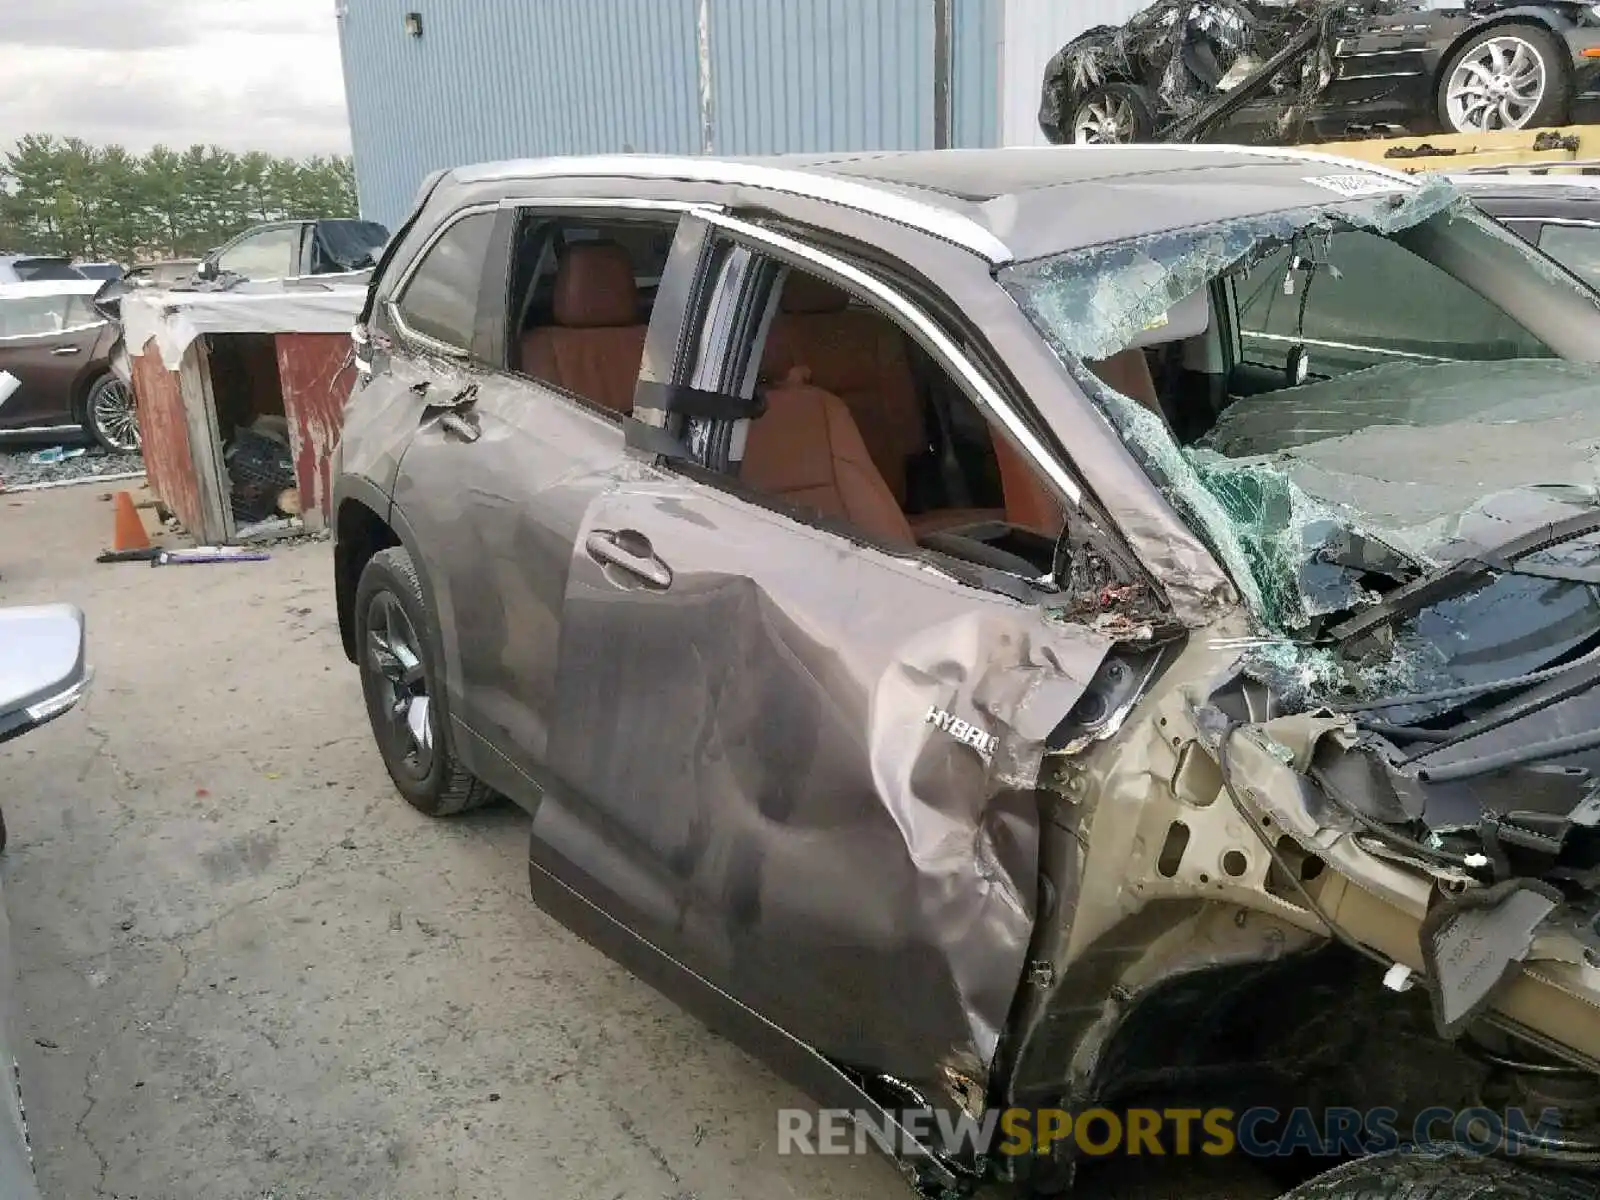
x=804, y=768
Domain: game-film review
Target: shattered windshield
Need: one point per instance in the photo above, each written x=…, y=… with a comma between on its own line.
x=1334, y=396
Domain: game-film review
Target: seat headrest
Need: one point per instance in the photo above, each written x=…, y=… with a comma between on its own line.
x=595, y=287
x=808, y=294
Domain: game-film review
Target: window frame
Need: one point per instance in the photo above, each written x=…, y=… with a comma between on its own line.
x=413, y=338
x=519, y=209
x=895, y=304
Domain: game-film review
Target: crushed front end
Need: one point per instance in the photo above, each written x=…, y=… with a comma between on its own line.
x=1344, y=855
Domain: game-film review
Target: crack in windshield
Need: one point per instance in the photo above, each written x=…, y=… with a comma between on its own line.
x=1271, y=513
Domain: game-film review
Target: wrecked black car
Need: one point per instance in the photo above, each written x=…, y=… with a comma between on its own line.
x=1296, y=71
x=966, y=624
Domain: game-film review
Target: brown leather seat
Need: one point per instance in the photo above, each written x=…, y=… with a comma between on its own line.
x=1029, y=503
x=596, y=345
x=860, y=357
x=805, y=449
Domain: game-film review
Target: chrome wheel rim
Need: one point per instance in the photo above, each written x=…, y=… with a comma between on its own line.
x=1498, y=85
x=115, y=418
x=403, y=710
x=1102, y=121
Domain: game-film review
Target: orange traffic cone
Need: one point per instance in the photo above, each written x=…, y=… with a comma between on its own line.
x=129, y=531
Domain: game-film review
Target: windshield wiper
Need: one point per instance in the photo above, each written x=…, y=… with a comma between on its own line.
x=1460, y=577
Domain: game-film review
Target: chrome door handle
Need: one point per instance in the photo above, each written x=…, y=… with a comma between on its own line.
x=608, y=549
x=59, y=350
x=461, y=427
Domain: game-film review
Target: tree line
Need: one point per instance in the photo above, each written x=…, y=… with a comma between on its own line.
x=64, y=196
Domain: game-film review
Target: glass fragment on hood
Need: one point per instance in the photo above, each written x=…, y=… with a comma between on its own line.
x=1267, y=530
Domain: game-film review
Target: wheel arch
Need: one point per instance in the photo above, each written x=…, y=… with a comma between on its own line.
x=1547, y=19
x=365, y=522
x=83, y=385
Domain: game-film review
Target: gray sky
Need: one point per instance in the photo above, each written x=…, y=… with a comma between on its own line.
x=243, y=74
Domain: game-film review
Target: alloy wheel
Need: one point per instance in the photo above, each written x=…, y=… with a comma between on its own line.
x=113, y=415
x=400, y=682
x=1497, y=85
x=1104, y=120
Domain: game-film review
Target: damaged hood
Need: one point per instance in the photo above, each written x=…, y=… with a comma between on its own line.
x=1414, y=450
x=1319, y=499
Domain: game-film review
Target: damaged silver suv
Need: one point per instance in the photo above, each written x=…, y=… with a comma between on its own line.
x=957, y=630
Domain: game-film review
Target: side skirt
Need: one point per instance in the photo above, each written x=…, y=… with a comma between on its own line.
x=791, y=1058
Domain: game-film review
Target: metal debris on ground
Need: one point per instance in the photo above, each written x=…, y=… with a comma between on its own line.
x=208, y=554
x=273, y=529
x=18, y=471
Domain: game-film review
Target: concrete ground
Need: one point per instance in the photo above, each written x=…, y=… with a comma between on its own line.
x=250, y=970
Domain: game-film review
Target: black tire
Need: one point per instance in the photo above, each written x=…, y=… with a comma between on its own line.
x=1128, y=97
x=431, y=779
x=118, y=434
x=1553, y=104
x=1403, y=1176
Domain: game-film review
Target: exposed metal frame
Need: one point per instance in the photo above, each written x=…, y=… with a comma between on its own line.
x=935, y=220
x=934, y=338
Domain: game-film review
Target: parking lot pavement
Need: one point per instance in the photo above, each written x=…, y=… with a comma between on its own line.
x=250, y=970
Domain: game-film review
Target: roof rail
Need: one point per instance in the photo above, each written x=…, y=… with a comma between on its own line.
x=883, y=200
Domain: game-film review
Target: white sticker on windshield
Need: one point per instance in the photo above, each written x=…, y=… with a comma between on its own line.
x=1354, y=186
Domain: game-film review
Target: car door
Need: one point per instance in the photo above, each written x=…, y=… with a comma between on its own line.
x=46, y=341
x=795, y=762
x=1380, y=67
x=493, y=486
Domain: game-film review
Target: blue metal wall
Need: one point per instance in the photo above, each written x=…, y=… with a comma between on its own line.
x=492, y=79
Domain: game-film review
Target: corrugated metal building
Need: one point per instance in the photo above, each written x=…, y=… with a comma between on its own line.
x=438, y=83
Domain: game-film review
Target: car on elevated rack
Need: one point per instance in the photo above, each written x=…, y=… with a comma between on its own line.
x=1285, y=71
x=949, y=629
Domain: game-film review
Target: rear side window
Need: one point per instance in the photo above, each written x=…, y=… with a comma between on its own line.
x=441, y=301
x=45, y=270
x=31, y=316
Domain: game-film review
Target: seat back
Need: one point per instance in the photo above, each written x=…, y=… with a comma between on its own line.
x=806, y=449
x=1029, y=503
x=861, y=358
x=596, y=345
x=1128, y=372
